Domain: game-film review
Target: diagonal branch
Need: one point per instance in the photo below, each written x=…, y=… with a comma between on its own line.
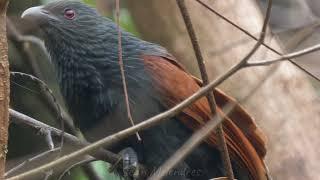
x=285, y=57
x=210, y=97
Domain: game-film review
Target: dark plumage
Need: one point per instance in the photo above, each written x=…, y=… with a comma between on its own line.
x=83, y=48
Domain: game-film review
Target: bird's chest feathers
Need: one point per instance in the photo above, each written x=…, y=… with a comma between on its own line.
x=81, y=85
x=79, y=80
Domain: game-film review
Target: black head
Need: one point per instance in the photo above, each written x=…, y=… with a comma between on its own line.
x=62, y=13
x=71, y=20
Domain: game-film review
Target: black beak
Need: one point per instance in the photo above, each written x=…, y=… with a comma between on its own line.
x=37, y=14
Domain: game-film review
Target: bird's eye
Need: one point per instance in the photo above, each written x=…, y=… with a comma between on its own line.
x=69, y=14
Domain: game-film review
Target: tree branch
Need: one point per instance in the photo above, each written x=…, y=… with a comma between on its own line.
x=4, y=87
x=285, y=57
x=123, y=77
x=210, y=97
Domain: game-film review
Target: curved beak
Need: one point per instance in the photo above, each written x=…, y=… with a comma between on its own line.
x=37, y=14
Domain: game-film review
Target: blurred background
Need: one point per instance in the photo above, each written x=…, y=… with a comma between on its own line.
x=285, y=107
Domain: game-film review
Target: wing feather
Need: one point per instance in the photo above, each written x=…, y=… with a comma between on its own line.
x=245, y=140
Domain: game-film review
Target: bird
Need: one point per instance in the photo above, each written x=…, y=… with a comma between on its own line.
x=83, y=48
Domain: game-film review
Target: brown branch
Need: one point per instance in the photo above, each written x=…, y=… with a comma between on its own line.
x=4, y=87
x=210, y=97
x=285, y=57
x=123, y=77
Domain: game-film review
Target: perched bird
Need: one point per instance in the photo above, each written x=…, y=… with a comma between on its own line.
x=83, y=46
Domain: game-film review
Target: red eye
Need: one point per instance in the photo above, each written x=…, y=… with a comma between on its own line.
x=69, y=14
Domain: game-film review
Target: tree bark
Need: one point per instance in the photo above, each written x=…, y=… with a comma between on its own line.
x=285, y=106
x=4, y=87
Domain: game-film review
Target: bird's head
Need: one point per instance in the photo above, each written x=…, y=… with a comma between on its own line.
x=73, y=27
x=63, y=14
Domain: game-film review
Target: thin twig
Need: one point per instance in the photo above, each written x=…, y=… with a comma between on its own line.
x=123, y=77
x=210, y=97
x=253, y=37
x=285, y=57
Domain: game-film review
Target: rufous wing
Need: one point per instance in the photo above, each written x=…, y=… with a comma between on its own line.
x=245, y=141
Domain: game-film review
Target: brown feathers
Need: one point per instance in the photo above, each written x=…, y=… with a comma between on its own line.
x=246, y=142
